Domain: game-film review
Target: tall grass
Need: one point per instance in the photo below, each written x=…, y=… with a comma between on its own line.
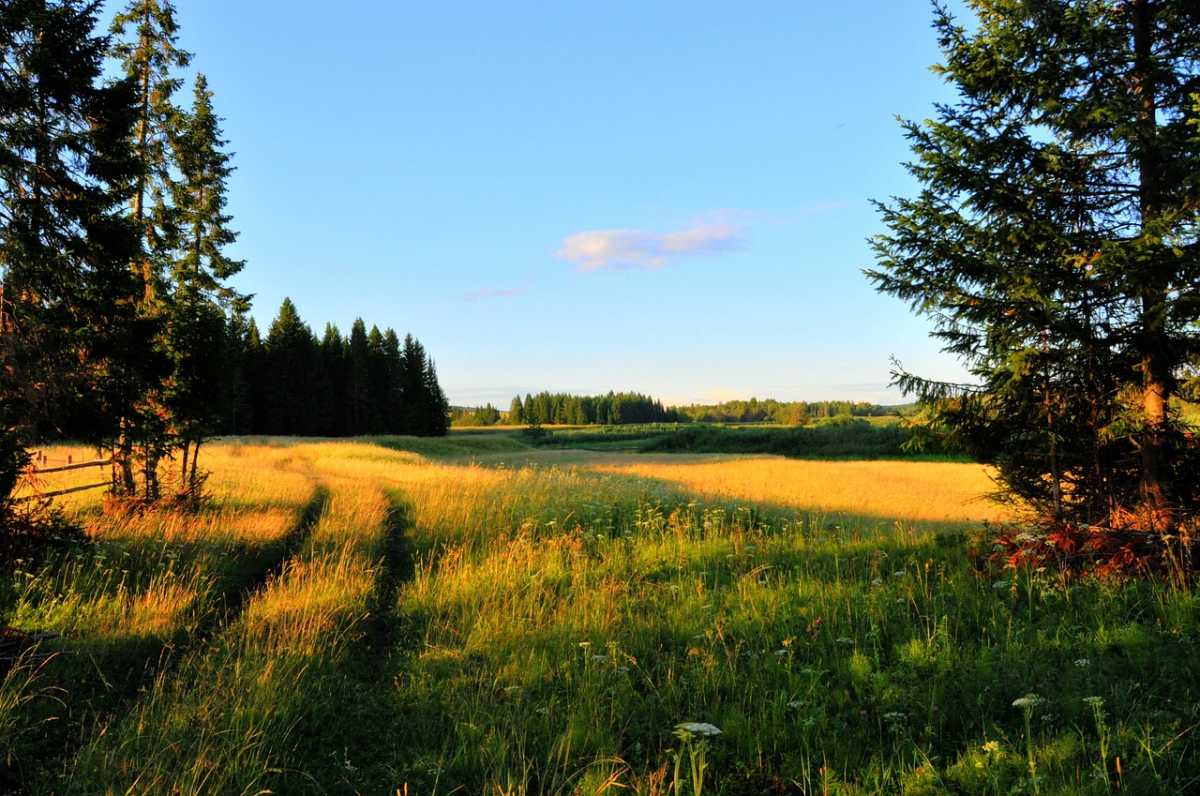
x=240, y=714
x=562, y=651
x=449, y=627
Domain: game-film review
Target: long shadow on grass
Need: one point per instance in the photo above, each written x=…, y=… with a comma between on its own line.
x=241, y=584
x=381, y=631
x=346, y=735
x=88, y=683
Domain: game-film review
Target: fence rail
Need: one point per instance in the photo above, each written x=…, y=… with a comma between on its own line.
x=35, y=470
x=75, y=466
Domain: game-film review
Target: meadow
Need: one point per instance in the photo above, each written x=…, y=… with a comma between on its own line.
x=475, y=615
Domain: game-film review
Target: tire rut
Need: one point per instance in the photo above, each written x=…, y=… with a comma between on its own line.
x=166, y=657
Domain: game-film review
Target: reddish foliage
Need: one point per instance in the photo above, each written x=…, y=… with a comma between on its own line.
x=1091, y=551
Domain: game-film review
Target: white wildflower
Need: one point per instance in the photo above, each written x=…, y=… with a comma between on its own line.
x=1027, y=701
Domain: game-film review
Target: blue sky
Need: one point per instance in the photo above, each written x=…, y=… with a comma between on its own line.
x=666, y=197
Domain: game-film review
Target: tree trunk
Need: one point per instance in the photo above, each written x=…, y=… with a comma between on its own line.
x=139, y=196
x=195, y=458
x=1155, y=364
x=128, y=482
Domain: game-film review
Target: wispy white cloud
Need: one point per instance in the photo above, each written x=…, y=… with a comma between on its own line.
x=492, y=292
x=600, y=249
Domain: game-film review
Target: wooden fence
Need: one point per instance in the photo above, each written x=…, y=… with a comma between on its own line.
x=42, y=465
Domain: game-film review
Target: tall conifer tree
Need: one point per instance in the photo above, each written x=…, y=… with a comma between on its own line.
x=201, y=270
x=358, y=380
x=146, y=44
x=67, y=326
x=1054, y=243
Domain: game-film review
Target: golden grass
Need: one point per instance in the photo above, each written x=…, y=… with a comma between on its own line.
x=922, y=491
x=324, y=590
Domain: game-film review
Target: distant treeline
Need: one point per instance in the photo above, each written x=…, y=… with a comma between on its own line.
x=841, y=438
x=613, y=409
x=626, y=408
x=294, y=383
x=791, y=413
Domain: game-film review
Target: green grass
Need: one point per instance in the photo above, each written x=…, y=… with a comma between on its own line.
x=858, y=659
x=454, y=445
x=838, y=439
x=447, y=628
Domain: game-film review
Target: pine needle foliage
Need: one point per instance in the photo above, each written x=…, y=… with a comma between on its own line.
x=1053, y=243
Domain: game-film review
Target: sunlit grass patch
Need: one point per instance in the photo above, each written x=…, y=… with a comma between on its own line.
x=920, y=491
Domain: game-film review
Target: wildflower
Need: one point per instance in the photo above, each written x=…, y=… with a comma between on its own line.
x=697, y=728
x=796, y=703
x=1082, y=663
x=991, y=747
x=780, y=653
x=1000, y=585
x=898, y=573
x=877, y=582
x=1094, y=701
x=893, y=717
x=585, y=644
x=1028, y=701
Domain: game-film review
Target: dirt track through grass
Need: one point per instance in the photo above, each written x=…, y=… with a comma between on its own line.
x=103, y=684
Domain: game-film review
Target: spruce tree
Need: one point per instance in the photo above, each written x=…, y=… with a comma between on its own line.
x=288, y=373
x=146, y=44
x=358, y=408
x=1054, y=245
x=516, y=412
x=416, y=398
x=333, y=358
x=377, y=381
x=393, y=366
x=237, y=405
x=257, y=372
x=201, y=270
x=437, y=423
x=67, y=325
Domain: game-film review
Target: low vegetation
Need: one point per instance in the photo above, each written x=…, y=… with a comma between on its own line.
x=883, y=437
x=470, y=614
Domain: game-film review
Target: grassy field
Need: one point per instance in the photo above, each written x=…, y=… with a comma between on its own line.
x=882, y=437
x=470, y=615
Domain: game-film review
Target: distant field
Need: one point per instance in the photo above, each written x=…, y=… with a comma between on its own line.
x=475, y=615
x=835, y=438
